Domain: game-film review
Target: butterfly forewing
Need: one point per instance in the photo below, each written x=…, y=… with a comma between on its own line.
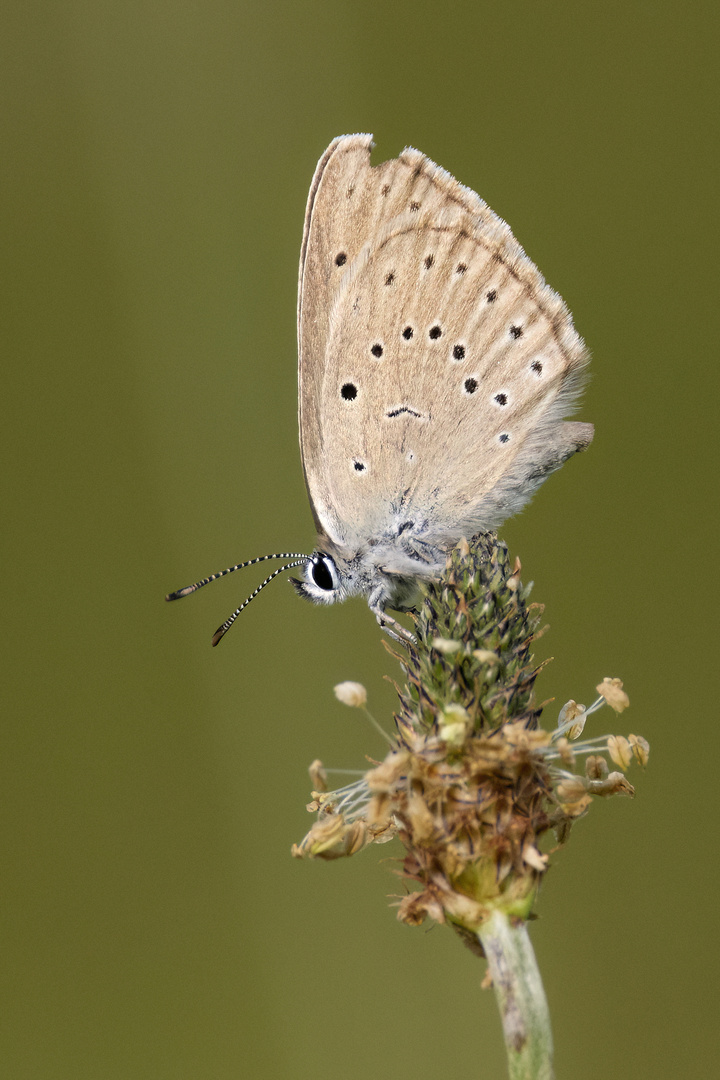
x=435, y=364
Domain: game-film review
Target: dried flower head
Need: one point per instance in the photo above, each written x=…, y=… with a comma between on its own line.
x=351, y=693
x=472, y=785
x=612, y=691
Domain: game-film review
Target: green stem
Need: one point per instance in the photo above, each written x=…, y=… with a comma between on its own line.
x=520, y=996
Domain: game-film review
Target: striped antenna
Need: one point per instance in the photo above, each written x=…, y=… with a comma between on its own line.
x=240, y=566
x=222, y=630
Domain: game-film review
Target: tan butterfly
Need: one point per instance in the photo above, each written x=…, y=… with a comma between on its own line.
x=435, y=369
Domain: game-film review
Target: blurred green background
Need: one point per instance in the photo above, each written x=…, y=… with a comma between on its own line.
x=156, y=159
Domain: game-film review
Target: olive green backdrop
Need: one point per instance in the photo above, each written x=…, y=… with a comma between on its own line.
x=156, y=159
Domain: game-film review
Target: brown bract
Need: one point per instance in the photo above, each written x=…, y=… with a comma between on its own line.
x=469, y=820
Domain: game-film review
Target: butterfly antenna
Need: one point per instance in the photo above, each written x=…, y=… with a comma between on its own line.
x=222, y=630
x=240, y=566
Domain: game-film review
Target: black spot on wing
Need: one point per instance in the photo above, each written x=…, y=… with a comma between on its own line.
x=403, y=409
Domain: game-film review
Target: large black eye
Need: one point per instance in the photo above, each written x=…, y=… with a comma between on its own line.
x=323, y=573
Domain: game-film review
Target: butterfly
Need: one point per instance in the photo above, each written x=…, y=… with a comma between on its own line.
x=435, y=370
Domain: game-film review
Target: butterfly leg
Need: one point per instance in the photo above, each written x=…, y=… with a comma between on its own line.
x=391, y=626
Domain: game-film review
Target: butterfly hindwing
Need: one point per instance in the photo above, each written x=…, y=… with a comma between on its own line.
x=435, y=364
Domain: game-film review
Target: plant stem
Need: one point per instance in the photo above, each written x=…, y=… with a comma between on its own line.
x=520, y=996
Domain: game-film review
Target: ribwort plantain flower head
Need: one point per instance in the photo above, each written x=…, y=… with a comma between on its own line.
x=472, y=785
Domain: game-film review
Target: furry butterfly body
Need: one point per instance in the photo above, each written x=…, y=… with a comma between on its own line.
x=435, y=370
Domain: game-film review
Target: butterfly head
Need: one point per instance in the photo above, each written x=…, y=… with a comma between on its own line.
x=383, y=573
x=334, y=573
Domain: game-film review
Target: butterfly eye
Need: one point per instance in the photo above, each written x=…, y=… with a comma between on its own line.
x=323, y=573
